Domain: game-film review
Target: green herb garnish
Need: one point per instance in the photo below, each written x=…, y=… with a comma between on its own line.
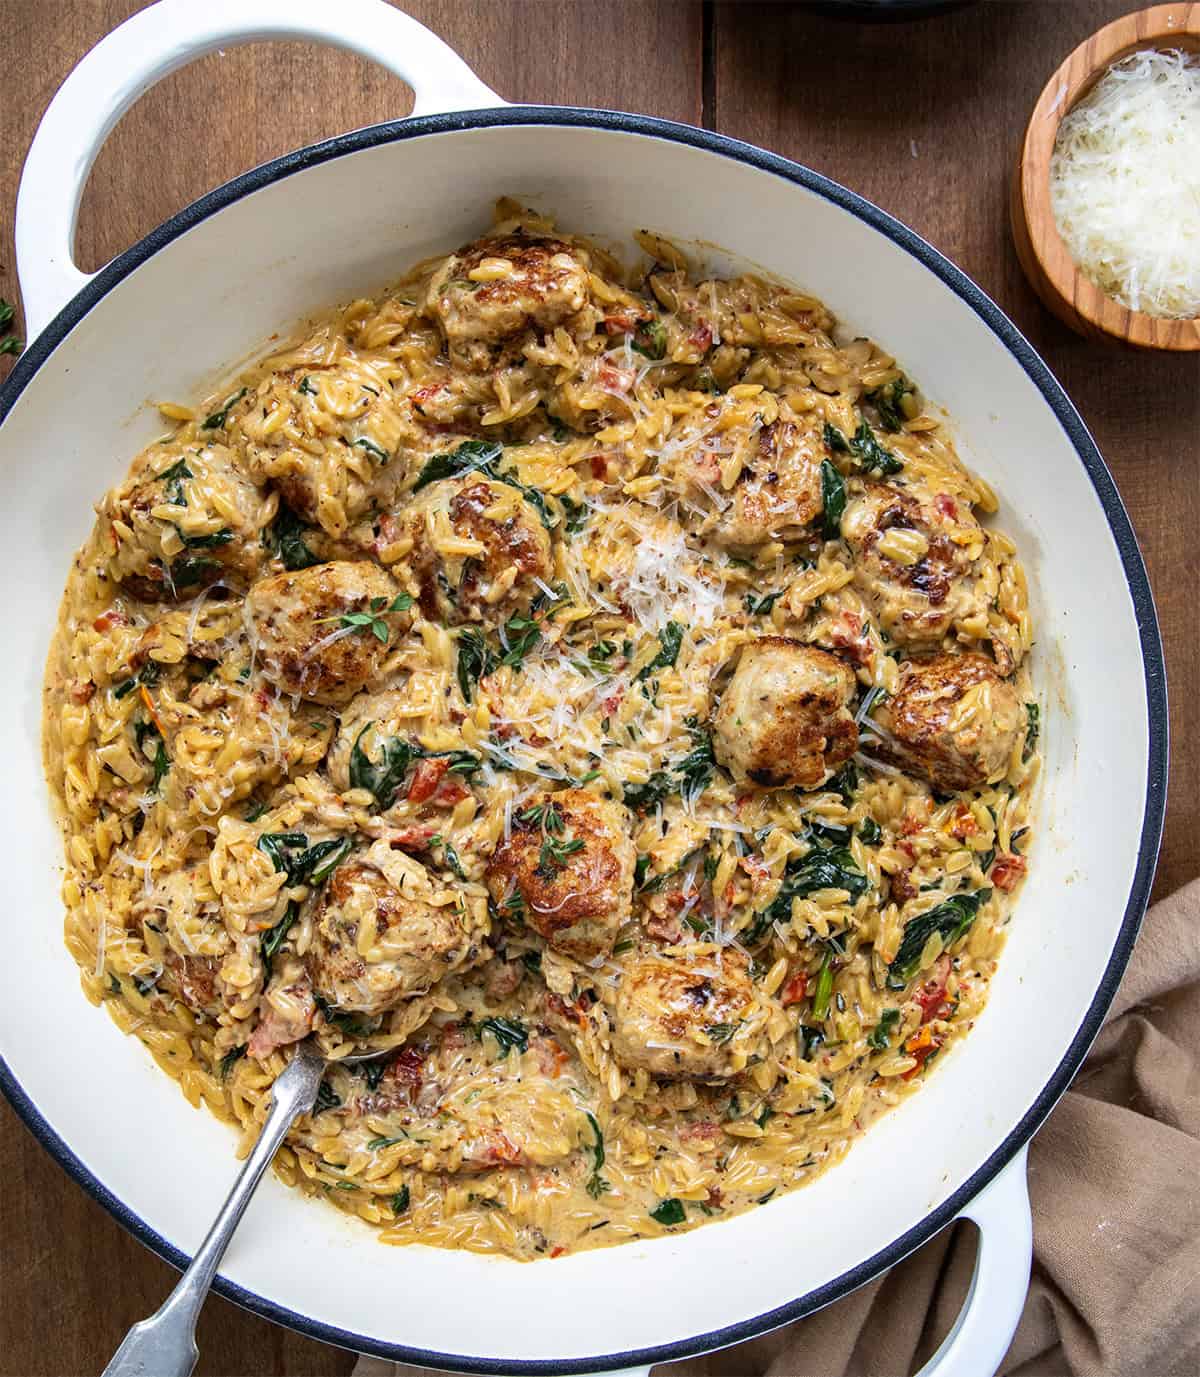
x=475, y=660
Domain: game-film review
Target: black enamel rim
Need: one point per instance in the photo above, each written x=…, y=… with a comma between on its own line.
x=1139, y=590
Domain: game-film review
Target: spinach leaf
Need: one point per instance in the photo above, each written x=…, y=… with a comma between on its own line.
x=189, y=570
x=469, y=456
x=950, y=920
x=834, y=438
x=826, y=868
x=216, y=420
x=475, y=660
x=869, y=832
x=1033, y=718
x=231, y=1058
x=810, y=1038
x=873, y=457
x=668, y=1212
x=845, y=782
x=400, y=1201
x=670, y=638
x=695, y=770
x=881, y=1034
x=381, y=778
x=760, y=606
x=327, y=1098
x=285, y=538
x=508, y=1032
x=720, y=1033
x=377, y=452
x=889, y=401
x=833, y=499
x=301, y=863
x=206, y=542
x=273, y=939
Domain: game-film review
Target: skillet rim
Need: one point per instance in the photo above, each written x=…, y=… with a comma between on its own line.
x=1137, y=580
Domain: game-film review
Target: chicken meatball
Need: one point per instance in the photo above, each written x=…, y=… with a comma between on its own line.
x=491, y=293
x=567, y=870
x=327, y=438
x=385, y=931
x=776, y=493
x=304, y=647
x=952, y=720
x=914, y=561
x=685, y=1016
x=784, y=719
x=184, y=518
x=476, y=545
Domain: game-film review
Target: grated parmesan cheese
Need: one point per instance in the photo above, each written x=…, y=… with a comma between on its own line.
x=1125, y=183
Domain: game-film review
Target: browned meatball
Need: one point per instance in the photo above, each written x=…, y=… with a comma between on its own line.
x=784, y=719
x=681, y=1017
x=777, y=494
x=300, y=640
x=496, y=289
x=913, y=561
x=953, y=720
x=507, y=563
x=333, y=439
x=184, y=518
x=385, y=932
x=567, y=870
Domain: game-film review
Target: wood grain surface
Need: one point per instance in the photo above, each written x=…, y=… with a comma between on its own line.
x=924, y=118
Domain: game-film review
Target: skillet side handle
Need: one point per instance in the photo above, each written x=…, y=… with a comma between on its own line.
x=157, y=41
x=976, y=1346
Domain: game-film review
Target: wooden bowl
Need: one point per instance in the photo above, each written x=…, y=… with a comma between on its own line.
x=1048, y=264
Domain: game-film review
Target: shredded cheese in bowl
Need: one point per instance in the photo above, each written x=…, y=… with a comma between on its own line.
x=1125, y=183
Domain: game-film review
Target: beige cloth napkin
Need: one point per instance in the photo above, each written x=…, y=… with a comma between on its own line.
x=1114, y=1177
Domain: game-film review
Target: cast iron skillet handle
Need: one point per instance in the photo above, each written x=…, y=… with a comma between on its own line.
x=126, y=63
x=976, y=1346
x=165, y=1344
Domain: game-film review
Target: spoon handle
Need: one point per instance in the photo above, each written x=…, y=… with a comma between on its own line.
x=165, y=1344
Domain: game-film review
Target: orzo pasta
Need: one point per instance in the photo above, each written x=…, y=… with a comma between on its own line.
x=593, y=690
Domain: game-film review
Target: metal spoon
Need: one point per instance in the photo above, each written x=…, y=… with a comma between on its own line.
x=165, y=1344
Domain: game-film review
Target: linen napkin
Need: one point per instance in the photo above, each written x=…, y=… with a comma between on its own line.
x=1114, y=1178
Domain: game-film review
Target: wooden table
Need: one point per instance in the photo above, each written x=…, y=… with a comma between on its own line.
x=922, y=118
